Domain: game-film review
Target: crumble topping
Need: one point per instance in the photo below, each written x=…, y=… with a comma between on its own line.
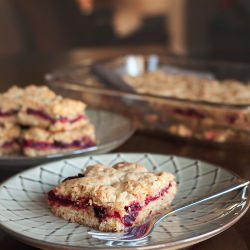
x=11, y=100
x=190, y=87
x=8, y=132
x=117, y=187
x=41, y=93
x=42, y=98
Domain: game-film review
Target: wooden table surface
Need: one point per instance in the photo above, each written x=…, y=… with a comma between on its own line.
x=31, y=69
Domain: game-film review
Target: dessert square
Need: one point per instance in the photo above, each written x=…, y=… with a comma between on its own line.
x=10, y=105
x=42, y=108
x=39, y=142
x=9, y=139
x=112, y=198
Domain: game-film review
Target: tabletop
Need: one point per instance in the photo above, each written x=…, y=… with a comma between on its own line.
x=27, y=69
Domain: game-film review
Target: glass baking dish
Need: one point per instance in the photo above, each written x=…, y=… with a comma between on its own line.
x=215, y=122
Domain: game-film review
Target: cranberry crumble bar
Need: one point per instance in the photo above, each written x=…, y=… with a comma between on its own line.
x=9, y=135
x=112, y=198
x=42, y=108
x=39, y=142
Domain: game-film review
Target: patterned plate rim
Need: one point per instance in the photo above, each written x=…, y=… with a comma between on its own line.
x=170, y=246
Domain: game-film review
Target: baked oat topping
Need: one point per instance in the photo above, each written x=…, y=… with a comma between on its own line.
x=190, y=87
x=113, y=198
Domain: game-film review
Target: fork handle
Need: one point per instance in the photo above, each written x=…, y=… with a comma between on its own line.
x=243, y=184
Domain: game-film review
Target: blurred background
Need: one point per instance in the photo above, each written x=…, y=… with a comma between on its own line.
x=218, y=29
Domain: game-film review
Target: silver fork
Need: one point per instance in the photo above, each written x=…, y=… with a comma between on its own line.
x=141, y=232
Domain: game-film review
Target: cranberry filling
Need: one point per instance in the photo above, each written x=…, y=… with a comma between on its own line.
x=64, y=201
x=73, y=177
x=8, y=113
x=101, y=212
x=232, y=118
x=65, y=119
x=192, y=113
x=84, y=143
x=61, y=119
x=153, y=198
x=8, y=144
x=133, y=211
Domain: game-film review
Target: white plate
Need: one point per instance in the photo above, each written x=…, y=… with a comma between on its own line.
x=111, y=131
x=24, y=212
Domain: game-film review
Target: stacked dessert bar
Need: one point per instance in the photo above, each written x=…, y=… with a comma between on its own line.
x=38, y=122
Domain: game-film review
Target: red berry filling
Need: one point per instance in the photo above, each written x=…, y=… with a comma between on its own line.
x=40, y=145
x=133, y=211
x=231, y=118
x=8, y=113
x=9, y=144
x=192, y=113
x=73, y=177
x=64, y=201
x=100, y=212
x=61, y=119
